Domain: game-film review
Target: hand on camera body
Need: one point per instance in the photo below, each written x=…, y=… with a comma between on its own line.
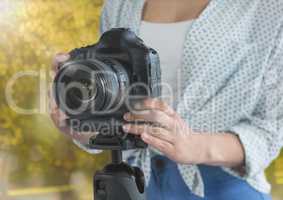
x=167, y=131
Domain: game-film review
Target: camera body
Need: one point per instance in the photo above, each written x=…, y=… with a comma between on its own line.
x=101, y=82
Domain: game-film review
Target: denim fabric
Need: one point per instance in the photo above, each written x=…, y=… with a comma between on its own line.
x=166, y=183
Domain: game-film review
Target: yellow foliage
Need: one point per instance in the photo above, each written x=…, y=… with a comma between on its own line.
x=37, y=30
x=32, y=32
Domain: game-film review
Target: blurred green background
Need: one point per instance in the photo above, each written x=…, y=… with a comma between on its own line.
x=36, y=161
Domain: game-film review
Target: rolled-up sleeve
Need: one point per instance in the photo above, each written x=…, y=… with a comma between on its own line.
x=261, y=133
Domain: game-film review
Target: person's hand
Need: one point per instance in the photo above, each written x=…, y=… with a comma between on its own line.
x=172, y=136
x=57, y=116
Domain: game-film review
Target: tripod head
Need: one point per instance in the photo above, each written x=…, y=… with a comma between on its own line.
x=118, y=180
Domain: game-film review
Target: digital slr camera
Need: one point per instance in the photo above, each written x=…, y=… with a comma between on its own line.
x=101, y=82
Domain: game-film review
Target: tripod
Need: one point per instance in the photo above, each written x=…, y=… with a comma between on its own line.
x=119, y=181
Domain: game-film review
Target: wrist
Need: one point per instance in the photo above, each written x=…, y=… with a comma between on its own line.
x=203, y=153
x=219, y=149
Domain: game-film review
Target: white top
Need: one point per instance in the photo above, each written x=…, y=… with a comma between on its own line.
x=168, y=40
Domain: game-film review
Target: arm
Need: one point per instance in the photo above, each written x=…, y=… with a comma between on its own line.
x=250, y=147
x=176, y=140
x=262, y=133
x=219, y=149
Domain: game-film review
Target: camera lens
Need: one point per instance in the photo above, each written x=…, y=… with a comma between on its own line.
x=90, y=86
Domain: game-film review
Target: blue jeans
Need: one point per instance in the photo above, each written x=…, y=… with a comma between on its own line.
x=166, y=183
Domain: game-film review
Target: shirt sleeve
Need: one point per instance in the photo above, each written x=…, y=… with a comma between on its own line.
x=261, y=133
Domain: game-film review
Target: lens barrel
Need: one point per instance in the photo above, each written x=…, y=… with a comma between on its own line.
x=86, y=87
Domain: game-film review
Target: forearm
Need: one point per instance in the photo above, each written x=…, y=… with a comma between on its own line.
x=221, y=149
